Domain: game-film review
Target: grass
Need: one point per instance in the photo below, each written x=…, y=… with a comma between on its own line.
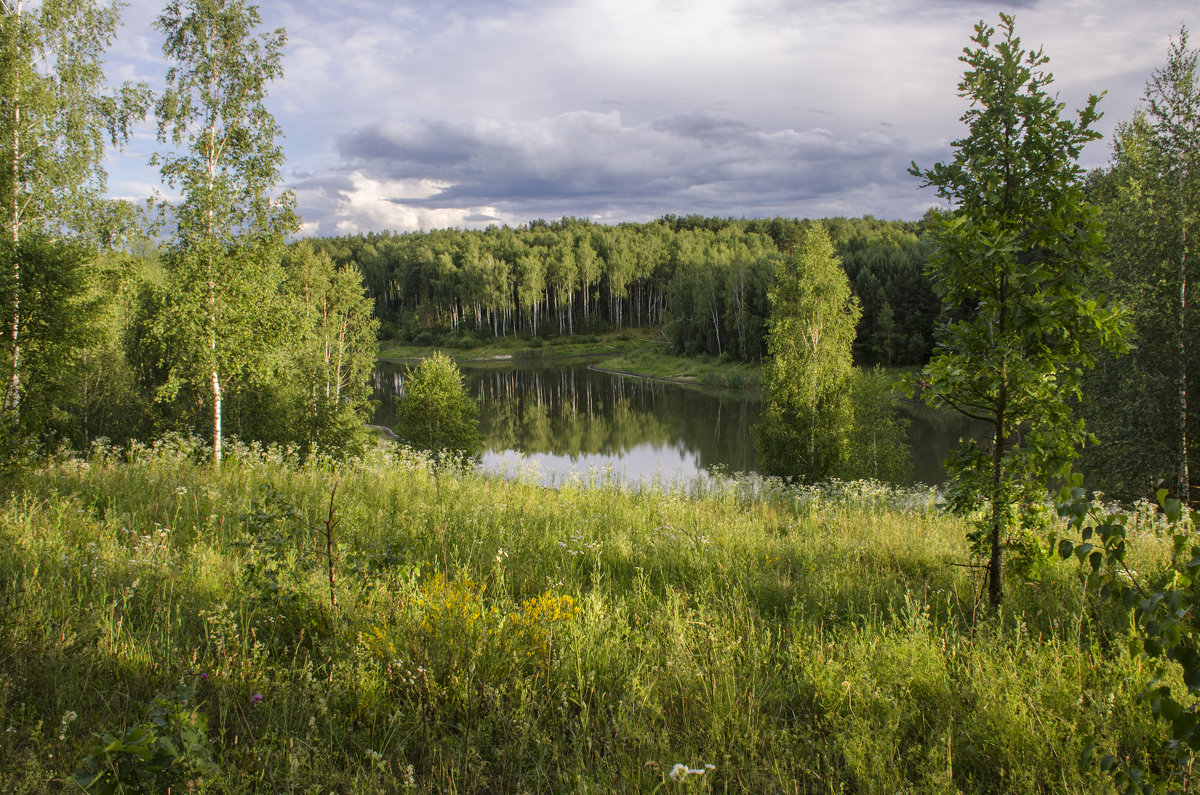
x=640, y=352
x=494, y=636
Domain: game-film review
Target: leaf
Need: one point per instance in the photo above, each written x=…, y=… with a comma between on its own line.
x=1089, y=750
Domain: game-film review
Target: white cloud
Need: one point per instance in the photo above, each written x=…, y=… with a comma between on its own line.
x=628, y=109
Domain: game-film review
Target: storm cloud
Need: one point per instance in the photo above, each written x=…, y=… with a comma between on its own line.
x=589, y=163
x=406, y=115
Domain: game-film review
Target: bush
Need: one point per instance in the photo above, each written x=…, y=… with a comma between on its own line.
x=434, y=412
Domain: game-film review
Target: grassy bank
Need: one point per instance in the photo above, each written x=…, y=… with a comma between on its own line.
x=638, y=352
x=487, y=636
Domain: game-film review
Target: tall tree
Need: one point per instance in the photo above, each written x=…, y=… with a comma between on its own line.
x=1010, y=262
x=333, y=354
x=1151, y=201
x=230, y=223
x=806, y=405
x=55, y=116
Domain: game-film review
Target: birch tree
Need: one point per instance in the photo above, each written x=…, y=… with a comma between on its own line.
x=1151, y=201
x=807, y=411
x=230, y=221
x=56, y=116
x=334, y=349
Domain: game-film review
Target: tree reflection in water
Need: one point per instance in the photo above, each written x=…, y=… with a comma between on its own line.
x=561, y=419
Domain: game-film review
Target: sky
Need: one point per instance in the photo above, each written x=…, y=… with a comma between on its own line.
x=408, y=116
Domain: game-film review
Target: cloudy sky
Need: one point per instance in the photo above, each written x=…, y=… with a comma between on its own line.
x=408, y=115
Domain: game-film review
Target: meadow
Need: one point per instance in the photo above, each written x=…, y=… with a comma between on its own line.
x=167, y=628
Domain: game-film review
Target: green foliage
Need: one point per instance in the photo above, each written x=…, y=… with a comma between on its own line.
x=807, y=409
x=329, y=356
x=230, y=224
x=704, y=280
x=1011, y=262
x=168, y=751
x=435, y=413
x=878, y=443
x=57, y=117
x=1164, y=627
x=49, y=301
x=1150, y=196
x=59, y=114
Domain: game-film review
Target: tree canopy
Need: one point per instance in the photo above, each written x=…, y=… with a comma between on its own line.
x=230, y=224
x=806, y=406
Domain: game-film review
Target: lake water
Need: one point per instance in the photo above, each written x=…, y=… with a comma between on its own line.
x=564, y=420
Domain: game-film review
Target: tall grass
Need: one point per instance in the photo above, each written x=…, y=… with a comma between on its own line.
x=497, y=636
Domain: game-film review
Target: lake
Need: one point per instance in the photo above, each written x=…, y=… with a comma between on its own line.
x=560, y=420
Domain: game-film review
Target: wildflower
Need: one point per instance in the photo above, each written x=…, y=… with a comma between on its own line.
x=257, y=697
x=67, y=717
x=681, y=771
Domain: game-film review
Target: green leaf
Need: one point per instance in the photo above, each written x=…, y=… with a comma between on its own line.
x=1089, y=749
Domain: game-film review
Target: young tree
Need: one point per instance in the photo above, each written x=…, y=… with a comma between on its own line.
x=435, y=413
x=230, y=224
x=55, y=117
x=1010, y=262
x=807, y=410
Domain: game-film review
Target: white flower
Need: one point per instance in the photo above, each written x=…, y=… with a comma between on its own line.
x=681, y=771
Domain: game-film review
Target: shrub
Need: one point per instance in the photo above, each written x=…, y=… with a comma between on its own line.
x=435, y=413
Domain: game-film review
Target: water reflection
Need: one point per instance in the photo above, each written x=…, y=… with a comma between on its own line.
x=566, y=420
x=569, y=418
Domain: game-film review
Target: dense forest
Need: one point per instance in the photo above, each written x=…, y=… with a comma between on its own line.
x=704, y=281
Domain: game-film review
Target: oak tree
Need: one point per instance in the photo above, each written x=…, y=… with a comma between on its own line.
x=1010, y=262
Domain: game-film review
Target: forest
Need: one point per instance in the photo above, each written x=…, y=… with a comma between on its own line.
x=215, y=577
x=704, y=281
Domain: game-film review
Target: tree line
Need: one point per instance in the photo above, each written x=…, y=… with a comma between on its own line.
x=228, y=328
x=703, y=280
